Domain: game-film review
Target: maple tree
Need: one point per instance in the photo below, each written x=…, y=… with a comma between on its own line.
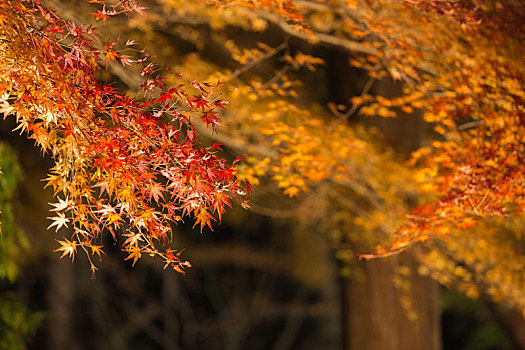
x=465, y=74
x=122, y=164
x=461, y=66
x=457, y=64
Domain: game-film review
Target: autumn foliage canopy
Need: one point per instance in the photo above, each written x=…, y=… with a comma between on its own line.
x=135, y=165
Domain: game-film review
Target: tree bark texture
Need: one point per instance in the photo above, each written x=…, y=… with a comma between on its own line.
x=379, y=314
x=60, y=298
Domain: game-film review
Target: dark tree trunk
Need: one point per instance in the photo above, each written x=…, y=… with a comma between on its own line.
x=376, y=310
x=378, y=313
x=60, y=297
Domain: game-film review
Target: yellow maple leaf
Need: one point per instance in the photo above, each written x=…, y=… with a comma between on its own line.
x=67, y=248
x=291, y=191
x=58, y=221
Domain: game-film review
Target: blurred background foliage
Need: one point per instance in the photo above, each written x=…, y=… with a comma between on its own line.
x=17, y=322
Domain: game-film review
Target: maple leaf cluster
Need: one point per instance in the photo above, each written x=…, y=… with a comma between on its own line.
x=284, y=8
x=122, y=164
x=467, y=78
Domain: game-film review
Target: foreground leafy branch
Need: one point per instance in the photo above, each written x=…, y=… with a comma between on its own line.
x=122, y=164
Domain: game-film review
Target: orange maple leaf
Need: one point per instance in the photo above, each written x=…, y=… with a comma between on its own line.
x=96, y=249
x=110, y=56
x=203, y=217
x=134, y=253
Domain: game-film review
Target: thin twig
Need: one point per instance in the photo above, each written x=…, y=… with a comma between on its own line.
x=471, y=125
x=365, y=91
x=253, y=63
